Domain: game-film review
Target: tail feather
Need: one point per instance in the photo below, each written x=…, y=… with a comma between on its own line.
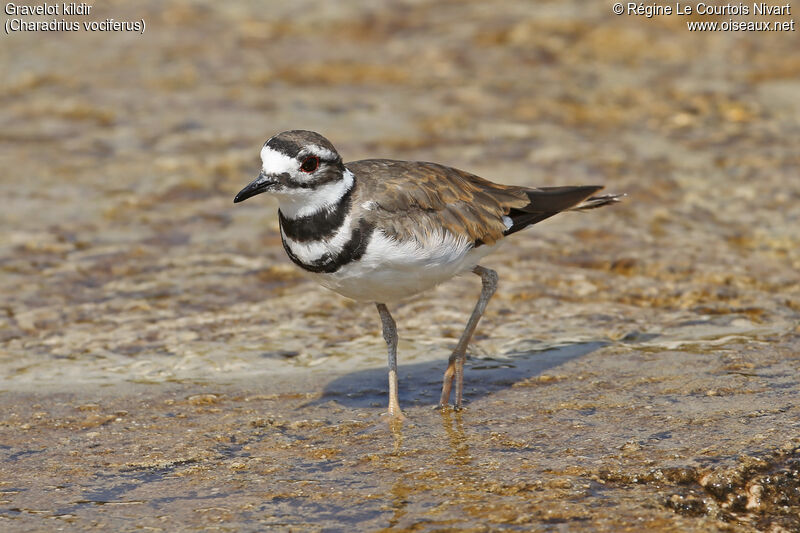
x=594, y=202
x=548, y=201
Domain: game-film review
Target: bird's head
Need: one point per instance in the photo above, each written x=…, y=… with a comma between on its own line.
x=302, y=169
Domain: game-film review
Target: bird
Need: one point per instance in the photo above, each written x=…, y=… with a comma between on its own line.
x=380, y=230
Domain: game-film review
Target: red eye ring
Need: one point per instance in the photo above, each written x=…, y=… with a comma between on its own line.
x=310, y=164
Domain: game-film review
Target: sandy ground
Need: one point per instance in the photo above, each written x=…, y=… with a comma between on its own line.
x=164, y=367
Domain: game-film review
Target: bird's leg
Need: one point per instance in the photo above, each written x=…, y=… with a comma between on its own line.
x=455, y=365
x=390, y=335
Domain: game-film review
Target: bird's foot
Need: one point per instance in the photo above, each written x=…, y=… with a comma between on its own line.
x=394, y=416
x=448, y=407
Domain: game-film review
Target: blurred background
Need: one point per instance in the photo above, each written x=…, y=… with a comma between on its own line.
x=122, y=153
x=123, y=259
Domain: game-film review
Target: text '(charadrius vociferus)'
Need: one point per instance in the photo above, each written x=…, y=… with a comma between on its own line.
x=379, y=230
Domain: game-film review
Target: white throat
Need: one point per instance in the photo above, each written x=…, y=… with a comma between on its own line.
x=297, y=203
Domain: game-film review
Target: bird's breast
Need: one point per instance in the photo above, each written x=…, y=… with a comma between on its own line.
x=388, y=269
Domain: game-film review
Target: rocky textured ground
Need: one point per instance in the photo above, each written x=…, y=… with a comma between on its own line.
x=162, y=365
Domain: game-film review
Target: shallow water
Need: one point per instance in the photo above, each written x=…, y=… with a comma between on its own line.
x=163, y=365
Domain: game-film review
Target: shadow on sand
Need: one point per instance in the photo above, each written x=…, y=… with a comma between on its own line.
x=420, y=383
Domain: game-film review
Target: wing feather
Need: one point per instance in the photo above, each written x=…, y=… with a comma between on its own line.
x=416, y=200
x=431, y=197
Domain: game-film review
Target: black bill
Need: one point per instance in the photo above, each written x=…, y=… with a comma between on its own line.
x=261, y=184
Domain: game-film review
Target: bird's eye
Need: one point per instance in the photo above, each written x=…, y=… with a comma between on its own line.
x=310, y=164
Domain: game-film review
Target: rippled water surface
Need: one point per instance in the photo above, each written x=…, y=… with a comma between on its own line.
x=163, y=366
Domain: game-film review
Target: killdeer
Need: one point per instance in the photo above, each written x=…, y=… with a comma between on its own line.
x=379, y=230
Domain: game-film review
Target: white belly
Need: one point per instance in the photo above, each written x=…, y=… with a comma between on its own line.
x=390, y=270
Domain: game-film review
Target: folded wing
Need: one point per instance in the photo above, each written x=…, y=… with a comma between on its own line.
x=419, y=200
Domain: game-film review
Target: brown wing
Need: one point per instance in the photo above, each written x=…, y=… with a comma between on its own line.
x=411, y=199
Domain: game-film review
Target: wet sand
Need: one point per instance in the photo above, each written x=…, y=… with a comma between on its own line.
x=163, y=366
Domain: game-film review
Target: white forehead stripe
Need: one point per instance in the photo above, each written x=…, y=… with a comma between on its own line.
x=274, y=162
